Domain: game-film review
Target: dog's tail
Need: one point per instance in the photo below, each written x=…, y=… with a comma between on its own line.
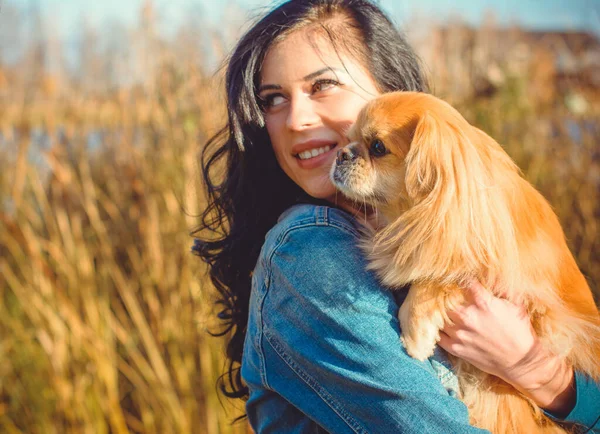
x=498, y=407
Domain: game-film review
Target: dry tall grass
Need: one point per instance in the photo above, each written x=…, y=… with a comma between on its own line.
x=104, y=311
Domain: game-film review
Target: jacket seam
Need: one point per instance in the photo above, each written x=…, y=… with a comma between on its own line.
x=261, y=355
x=322, y=393
x=307, y=222
x=337, y=408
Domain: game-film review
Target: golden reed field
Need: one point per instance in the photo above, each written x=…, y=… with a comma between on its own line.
x=104, y=311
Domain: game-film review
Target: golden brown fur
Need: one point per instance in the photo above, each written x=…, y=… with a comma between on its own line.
x=457, y=208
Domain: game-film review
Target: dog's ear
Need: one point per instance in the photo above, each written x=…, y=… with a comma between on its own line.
x=442, y=161
x=454, y=179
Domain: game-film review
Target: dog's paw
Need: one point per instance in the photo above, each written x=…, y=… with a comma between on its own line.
x=420, y=349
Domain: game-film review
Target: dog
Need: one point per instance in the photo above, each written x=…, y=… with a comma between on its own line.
x=455, y=208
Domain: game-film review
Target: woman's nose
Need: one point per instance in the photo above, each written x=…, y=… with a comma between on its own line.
x=302, y=113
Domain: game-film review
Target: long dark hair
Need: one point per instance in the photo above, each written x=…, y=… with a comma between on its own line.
x=246, y=188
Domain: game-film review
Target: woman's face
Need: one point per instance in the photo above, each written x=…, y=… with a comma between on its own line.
x=312, y=97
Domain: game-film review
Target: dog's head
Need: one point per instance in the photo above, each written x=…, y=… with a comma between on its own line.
x=372, y=165
x=406, y=146
x=436, y=180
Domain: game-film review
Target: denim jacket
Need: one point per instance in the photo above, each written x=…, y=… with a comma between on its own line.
x=323, y=353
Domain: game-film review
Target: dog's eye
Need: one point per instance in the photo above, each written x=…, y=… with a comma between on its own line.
x=378, y=149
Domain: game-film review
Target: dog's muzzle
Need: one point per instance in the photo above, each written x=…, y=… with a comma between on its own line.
x=346, y=154
x=343, y=167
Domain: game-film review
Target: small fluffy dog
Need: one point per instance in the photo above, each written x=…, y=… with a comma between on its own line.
x=455, y=209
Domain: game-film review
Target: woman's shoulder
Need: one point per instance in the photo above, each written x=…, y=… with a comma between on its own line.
x=307, y=215
x=306, y=230
x=311, y=260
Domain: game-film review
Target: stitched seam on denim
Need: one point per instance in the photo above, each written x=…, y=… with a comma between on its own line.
x=268, y=279
x=280, y=240
x=302, y=224
x=335, y=220
x=320, y=214
x=261, y=355
x=329, y=220
x=314, y=385
x=341, y=225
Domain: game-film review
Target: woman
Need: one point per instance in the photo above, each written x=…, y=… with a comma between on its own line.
x=316, y=335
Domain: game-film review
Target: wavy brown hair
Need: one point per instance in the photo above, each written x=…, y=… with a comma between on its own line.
x=246, y=188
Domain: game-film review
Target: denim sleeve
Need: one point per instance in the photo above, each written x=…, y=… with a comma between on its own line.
x=587, y=405
x=332, y=343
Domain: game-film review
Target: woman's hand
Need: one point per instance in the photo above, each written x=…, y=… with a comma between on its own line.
x=496, y=336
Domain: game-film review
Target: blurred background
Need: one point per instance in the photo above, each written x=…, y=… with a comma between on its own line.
x=104, y=107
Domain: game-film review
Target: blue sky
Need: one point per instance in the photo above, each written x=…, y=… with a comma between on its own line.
x=540, y=14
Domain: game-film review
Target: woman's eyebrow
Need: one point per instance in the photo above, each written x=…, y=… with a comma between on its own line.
x=319, y=72
x=305, y=78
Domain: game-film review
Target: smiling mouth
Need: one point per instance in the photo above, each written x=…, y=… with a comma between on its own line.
x=312, y=153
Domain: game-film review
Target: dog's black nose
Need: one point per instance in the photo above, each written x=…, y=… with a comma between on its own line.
x=345, y=154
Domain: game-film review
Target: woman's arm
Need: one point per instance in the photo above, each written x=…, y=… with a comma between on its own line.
x=497, y=337
x=331, y=342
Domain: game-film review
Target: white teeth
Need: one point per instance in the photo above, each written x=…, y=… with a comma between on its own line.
x=314, y=152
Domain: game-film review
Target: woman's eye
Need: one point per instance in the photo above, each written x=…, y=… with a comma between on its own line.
x=378, y=149
x=272, y=100
x=276, y=100
x=324, y=84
